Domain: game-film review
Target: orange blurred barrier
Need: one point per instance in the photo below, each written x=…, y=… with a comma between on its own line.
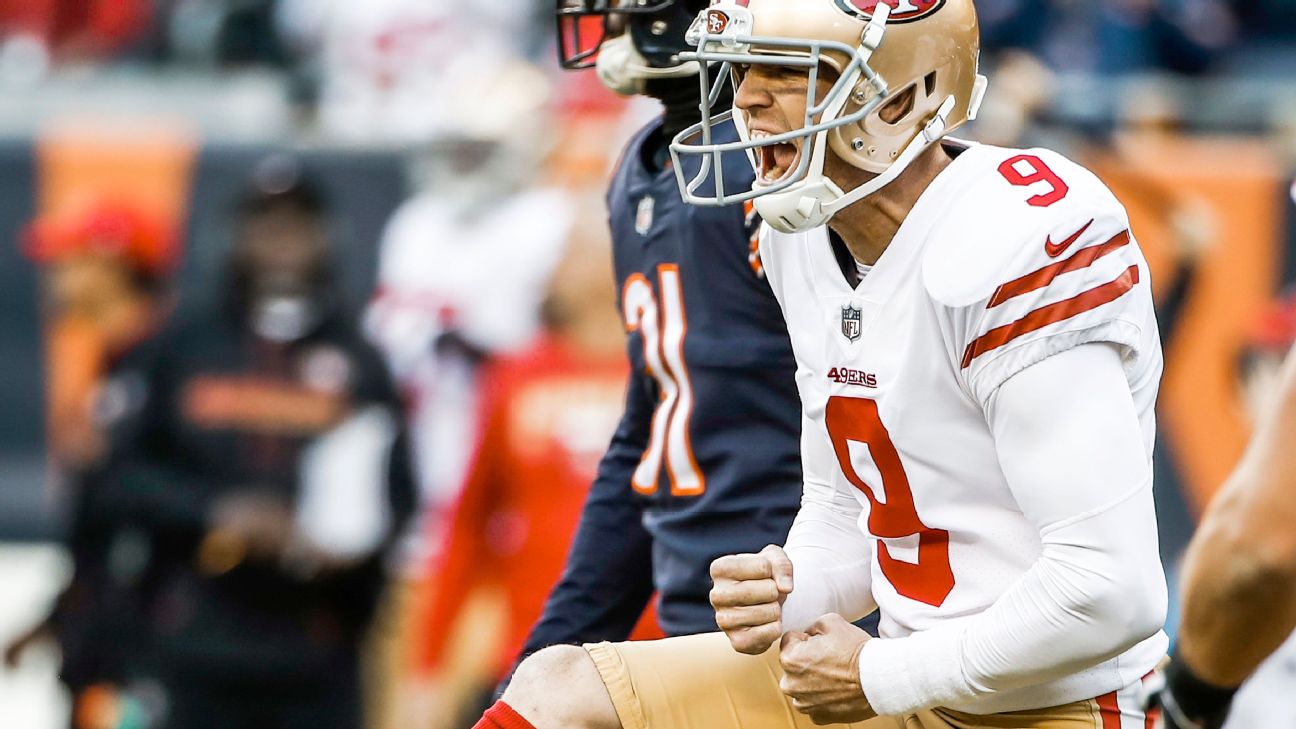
x=1223, y=197
x=150, y=163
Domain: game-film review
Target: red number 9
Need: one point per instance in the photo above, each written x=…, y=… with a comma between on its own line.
x=931, y=579
x=1040, y=172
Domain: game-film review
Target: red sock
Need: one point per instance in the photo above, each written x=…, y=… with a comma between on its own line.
x=502, y=716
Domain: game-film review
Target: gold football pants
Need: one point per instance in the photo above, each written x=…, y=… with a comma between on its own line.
x=700, y=682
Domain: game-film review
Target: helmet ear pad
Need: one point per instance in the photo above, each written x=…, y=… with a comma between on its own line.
x=877, y=140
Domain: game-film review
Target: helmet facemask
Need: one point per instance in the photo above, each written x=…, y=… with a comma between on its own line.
x=847, y=119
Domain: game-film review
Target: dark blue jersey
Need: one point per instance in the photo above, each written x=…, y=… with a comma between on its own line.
x=706, y=459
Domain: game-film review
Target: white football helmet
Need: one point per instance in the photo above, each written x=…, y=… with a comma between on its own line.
x=878, y=49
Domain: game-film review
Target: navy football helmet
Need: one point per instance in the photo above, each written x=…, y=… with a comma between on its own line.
x=627, y=41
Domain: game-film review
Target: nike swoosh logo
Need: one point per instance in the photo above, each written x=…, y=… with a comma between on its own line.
x=1056, y=249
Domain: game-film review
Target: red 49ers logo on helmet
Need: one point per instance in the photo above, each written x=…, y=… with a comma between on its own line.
x=716, y=21
x=902, y=11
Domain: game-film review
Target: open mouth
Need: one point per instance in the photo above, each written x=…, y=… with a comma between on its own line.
x=776, y=160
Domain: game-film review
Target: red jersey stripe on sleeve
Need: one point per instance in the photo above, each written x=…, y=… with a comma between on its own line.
x=1051, y=314
x=1044, y=276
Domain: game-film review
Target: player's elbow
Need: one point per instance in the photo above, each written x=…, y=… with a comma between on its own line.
x=1143, y=615
x=1116, y=597
x=1129, y=608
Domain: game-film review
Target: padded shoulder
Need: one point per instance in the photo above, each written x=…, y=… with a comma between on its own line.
x=1009, y=212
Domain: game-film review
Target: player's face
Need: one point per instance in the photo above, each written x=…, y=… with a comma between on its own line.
x=773, y=101
x=283, y=247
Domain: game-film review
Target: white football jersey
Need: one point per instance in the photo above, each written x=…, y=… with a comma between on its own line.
x=482, y=278
x=1009, y=257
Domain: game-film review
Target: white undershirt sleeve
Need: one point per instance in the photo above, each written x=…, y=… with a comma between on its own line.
x=830, y=560
x=1072, y=451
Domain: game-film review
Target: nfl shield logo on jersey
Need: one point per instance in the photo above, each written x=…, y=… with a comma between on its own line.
x=644, y=218
x=851, y=327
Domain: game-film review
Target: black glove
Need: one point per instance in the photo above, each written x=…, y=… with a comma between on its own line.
x=1186, y=701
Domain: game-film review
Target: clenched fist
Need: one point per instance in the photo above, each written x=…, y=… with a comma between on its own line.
x=748, y=597
x=821, y=671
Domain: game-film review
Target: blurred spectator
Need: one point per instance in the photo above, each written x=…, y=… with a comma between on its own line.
x=105, y=268
x=36, y=33
x=462, y=273
x=549, y=413
x=222, y=32
x=258, y=441
x=398, y=72
x=1111, y=37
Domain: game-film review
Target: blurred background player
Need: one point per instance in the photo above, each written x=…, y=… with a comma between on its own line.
x=257, y=441
x=705, y=456
x=464, y=259
x=106, y=265
x=445, y=303
x=1239, y=579
x=549, y=411
x=379, y=63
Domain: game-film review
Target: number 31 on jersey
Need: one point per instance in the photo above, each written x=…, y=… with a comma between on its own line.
x=662, y=324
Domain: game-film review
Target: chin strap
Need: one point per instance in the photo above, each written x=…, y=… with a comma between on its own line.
x=623, y=70
x=814, y=202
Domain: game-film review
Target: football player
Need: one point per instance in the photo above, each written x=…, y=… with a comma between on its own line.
x=705, y=460
x=1239, y=582
x=977, y=381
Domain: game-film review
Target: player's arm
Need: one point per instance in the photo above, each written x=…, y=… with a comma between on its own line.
x=1072, y=450
x=1239, y=580
x=608, y=577
x=831, y=559
x=145, y=483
